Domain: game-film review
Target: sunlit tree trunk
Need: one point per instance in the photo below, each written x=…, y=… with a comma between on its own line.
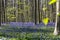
x=37, y=11
x=57, y=24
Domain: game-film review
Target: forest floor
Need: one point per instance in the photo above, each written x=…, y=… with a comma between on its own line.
x=29, y=33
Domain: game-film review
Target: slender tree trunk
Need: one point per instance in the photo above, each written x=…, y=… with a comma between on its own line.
x=24, y=11
x=35, y=13
x=0, y=11
x=39, y=10
x=0, y=17
x=57, y=24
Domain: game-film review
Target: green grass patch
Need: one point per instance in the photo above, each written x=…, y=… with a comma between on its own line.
x=33, y=33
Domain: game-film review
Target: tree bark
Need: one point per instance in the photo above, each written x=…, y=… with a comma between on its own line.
x=0, y=12
x=57, y=24
x=0, y=18
x=35, y=13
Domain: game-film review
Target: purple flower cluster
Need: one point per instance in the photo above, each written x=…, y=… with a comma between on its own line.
x=21, y=23
x=3, y=23
x=40, y=24
x=15, y=24
x=51, y=24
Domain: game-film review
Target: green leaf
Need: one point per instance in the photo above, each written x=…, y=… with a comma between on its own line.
x=19, y=3
x=52, y=2
x=44, y=8
x=45, y=21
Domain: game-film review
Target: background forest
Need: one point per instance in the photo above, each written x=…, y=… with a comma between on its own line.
x=27, y=11
x=29, y=19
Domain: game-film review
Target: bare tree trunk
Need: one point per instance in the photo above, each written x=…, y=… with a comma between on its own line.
x=35, y=13
x=39, y=10
x=0, y=12
x=56, y=24
x=0, y=17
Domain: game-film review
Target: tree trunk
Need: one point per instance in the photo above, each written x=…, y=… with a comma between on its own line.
x=35, y=13
x=0, y=12
x=57, y=24
x=0, y=18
